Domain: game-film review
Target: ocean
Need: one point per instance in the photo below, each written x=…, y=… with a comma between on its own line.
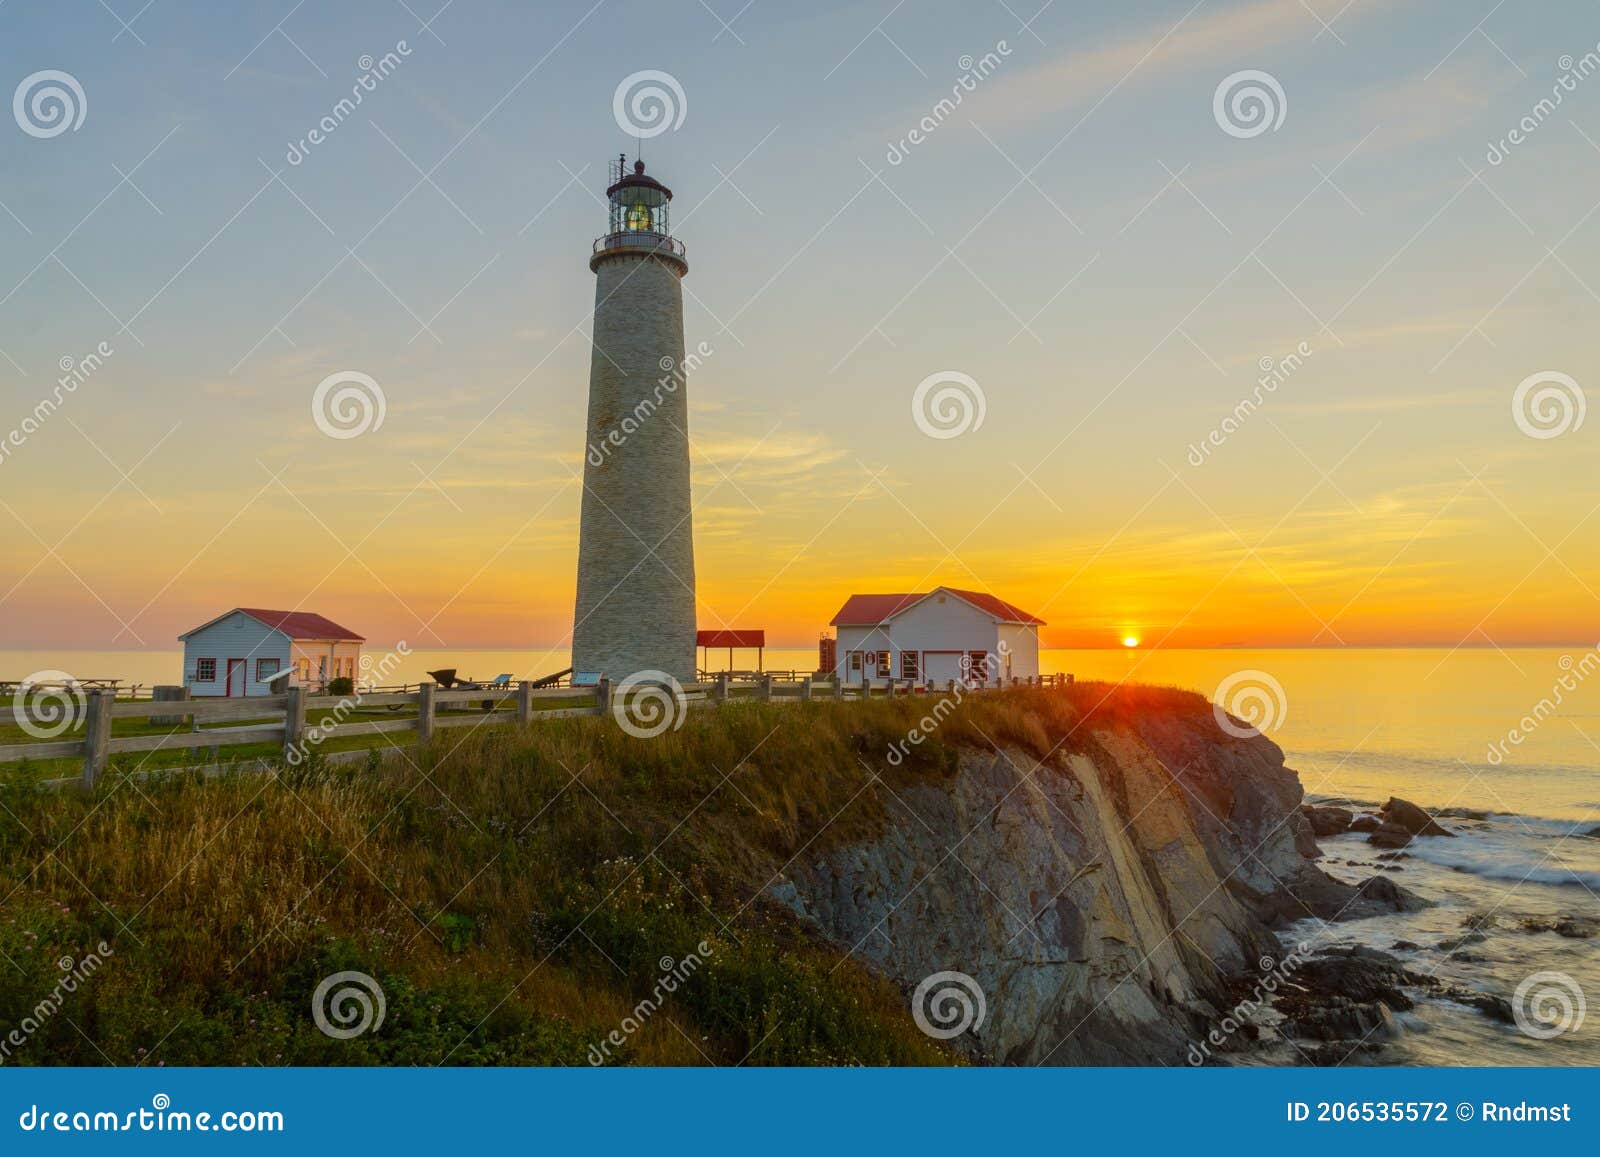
x=1505, y=742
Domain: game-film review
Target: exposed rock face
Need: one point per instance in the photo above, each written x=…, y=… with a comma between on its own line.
x=1327, y=821
x=1106, y=904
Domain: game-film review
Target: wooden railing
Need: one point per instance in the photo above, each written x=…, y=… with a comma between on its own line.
x=299, y=722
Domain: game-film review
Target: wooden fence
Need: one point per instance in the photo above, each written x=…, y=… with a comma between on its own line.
x=298, y=722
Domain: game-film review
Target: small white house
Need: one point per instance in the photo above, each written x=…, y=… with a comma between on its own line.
x=239, y=653
x=942, y=635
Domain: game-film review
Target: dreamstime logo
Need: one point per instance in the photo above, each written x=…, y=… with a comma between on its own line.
x=1248, y=103
x=947, y=404
x=674, y=375
x=648, y=103
x=947, y=1004
x=1548, y=1004
x=353, y=1000
x=372, y=71
x=673, y=974
x=74, y=372
x=1274, y=373
x=1253, y=696
x=1548, y=404
x=56, y=104
x=1572, y=71
x=74, y=974
x=329, y=722
x=972, y=71
x=1573, y=674
x=1274, y=974
x=647, y=703
x=48, y=704
x=347, y=404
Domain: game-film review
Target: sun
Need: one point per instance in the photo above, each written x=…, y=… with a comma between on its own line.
x=1130, y=640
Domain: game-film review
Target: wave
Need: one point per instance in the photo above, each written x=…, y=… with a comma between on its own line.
x=1522, y=848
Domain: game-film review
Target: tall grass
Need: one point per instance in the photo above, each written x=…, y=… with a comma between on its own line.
x=514, y=891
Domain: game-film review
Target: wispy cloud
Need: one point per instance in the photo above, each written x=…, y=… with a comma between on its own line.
x=1086, y=74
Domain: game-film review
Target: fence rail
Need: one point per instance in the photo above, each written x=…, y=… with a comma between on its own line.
x=299, y=721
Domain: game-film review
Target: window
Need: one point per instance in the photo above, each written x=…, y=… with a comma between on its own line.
x=303, y=665
x=205, y=670
x=908, y=665
x=885, y=663
x=977, y=666
x=265, y=668
x=855, y=660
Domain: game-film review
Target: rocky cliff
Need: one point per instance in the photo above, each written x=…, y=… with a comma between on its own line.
x=1107, y=901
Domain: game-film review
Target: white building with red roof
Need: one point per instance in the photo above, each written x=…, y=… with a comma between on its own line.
x=248, y=650
x=942, y=635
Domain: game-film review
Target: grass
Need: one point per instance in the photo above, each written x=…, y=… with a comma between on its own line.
x=514, y=891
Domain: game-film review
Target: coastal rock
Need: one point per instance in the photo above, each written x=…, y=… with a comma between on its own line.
x=1327, y=821
x=1407, y=815
x=1387, y=835
x=1365, y=823
x=1107, y=902
x=1495, y=1007
x=1358, y=974
x=1572, y=927
x=1344, y=1020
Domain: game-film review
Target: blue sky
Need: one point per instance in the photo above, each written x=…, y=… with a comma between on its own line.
x=1080, y=237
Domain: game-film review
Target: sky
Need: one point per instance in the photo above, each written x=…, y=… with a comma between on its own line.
x=1109, y=251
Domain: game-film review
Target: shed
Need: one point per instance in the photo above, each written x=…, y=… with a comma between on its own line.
x=239, y=651
x=748, y=639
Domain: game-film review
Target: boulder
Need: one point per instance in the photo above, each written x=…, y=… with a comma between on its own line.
x=1413, y=819
x=1572, y=927
x=1327, y=821
x=1387, y=835
x=1384, y=891
x=1365, y=823
x=1494, y=1007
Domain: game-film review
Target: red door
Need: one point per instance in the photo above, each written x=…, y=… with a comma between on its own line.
x=236, y=670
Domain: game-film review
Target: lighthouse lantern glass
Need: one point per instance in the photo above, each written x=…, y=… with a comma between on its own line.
x=638, y=204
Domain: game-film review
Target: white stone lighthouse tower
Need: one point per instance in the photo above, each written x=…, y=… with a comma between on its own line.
x=636, y=594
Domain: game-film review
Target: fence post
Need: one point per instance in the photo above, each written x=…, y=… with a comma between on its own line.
x=766, y=685
x=721, y=692
x=602, y=696
x=294, y=718
x=805, y=689
x=425, y=711
x=525, y=701
x=96, y=736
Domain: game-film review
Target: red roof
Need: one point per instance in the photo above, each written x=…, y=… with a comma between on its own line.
x=751, y=638
x=998, y=607
x=295, y=624
x=870, y=610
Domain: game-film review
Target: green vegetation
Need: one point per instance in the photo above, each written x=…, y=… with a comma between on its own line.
x=515, y=892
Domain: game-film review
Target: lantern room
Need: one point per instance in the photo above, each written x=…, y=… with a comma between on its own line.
x=638, y=203
x=639, y=217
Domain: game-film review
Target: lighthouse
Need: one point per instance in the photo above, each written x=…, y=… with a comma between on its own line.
x=636, y=594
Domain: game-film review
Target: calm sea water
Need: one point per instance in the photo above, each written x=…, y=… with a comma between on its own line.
x=1358, y=725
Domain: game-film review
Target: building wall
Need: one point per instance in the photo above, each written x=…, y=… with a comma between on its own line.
x=859, y=639
x=319, y=662
x=1023, y=642
x=237, y=636
x=636, y=590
